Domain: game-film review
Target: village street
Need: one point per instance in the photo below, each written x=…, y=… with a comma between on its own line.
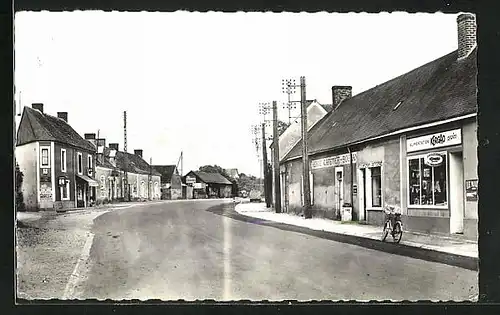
x=179, y=250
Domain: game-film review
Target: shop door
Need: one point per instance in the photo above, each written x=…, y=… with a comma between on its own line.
x=456, y=199
x=80, y=196
x=339, y=190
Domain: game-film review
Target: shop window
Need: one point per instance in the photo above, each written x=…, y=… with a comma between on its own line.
x=63, y=160
x=45, y=157
x=427, y=184
x=80, y=163
x=376, y=183
x=89, y=164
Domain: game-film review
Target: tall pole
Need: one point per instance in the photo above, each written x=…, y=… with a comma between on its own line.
x=264, y=164
x=276, y=160
x=125, y=173
x=150, y=178
x=305, y=156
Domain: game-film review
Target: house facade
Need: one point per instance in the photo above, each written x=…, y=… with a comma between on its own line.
x=208, y=185
x=57, y=163
x=171, y=182
x=409, y=142
x=143, y=181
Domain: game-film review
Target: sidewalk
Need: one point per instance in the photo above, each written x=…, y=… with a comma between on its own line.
x=444, y=244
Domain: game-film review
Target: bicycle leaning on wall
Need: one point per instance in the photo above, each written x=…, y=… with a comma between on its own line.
x=393, y=223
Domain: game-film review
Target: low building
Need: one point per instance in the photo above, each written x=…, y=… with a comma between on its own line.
x=171, y=182
x=143, y=181
x=208, y=185
x=409, y=142
x=57, y=163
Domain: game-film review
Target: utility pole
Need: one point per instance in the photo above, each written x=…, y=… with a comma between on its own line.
x=125, y=173
x=150, y=178
x=276, y=160
x=305, y=153
x=288, y=87
x=264, y=163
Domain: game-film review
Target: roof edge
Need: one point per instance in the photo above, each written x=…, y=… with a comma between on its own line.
x=390, y=134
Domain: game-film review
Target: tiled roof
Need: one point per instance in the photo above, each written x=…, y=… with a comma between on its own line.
x=166, y=172
x=442, y=89
x=135, y=164
x=212, y=178
x=104, y=161
x=37, y=126
x=327, y=107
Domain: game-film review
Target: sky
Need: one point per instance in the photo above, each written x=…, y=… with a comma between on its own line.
x=193, y=82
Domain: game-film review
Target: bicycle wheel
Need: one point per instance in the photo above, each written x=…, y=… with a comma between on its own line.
x=385, y=232
x=398, y=232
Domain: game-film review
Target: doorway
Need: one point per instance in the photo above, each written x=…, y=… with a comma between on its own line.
x=456, y=199
x=339, y=190
x=362, y=194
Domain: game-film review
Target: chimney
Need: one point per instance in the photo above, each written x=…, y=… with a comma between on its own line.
x=466, y=34
x=90, y=137
x=63, y=116
x=38, y=106
x=138, y=152
x=113, y=146
x=101, y=142
x=340, y=93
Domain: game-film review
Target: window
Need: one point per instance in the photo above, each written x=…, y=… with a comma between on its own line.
x=65, y=191
x=80, y=163
x=63, y=160
x=45, y=157
x=427, y=184
x=89, y=164
x=142, y=189
x=376, y=183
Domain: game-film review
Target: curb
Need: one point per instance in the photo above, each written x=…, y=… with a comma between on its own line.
x=466, y=262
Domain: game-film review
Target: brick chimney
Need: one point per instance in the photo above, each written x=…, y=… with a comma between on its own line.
x=466, y=34
x=114, y=146
x=138, y=152
x=63, y=116
x=101, y=142
x=38, y=106
x=90, y=137
x=340, y=93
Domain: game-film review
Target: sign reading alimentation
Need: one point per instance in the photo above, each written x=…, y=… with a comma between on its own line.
x=436, y=140
x=333, y=161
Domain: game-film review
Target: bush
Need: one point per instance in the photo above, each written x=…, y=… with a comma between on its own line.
x=20, y=206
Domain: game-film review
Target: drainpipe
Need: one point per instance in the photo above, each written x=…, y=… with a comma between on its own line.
x=352, y=179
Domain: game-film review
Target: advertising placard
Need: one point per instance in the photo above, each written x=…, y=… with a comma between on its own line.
x=471, y=189
x=436, y=140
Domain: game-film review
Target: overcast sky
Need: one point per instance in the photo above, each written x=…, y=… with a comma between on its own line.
x=192, y=82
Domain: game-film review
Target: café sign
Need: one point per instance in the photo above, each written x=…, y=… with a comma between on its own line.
x=437, y=140
x=333, y=161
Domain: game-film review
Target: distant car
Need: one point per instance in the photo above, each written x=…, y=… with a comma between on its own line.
x=255, y=196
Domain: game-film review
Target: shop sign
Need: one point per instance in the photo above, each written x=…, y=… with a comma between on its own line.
x=437, y=140
x=433, y=159
x=62, y=180
x=45, y=192
x=333, y=161
x=190, y=180
x=370, y=164
x=45, y=175
x=471, y=189
x=198, y=185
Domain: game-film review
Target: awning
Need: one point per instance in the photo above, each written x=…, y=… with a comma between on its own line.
x=90, y=181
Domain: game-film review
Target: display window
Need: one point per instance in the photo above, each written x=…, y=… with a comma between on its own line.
x=427, y=180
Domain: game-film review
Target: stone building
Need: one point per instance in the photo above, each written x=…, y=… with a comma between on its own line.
x=410, y=142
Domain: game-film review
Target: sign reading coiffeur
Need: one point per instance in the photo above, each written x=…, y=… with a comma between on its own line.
x=437, y=140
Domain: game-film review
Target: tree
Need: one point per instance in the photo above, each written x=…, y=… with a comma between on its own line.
x=19, y=193
x=214, y=169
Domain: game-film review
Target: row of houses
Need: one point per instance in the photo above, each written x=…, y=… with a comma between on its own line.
x=410, y=142
x=63, y=170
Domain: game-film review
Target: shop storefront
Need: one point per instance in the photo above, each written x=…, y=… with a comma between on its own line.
x=436, y=168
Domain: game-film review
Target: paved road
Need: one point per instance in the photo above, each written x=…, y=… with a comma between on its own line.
x=179, y=250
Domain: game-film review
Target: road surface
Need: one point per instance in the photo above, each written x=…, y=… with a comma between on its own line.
x=179, y=250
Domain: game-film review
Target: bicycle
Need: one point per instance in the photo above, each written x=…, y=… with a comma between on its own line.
x=392, y=224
